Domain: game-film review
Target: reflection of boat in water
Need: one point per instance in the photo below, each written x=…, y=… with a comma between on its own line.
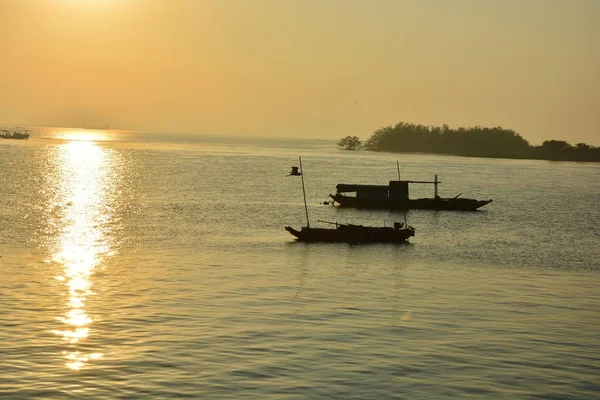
x=348, y=233
x=394, y=196
x=14, y=135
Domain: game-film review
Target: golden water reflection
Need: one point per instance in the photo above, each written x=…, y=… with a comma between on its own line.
x=81, y=194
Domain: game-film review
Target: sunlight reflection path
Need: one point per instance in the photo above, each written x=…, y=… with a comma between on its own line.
x=83, y=242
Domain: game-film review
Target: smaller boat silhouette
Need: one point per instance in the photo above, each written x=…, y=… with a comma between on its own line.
x=348, y=233
x=14, y=135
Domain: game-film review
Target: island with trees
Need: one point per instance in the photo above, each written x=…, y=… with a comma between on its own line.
x=470, y=142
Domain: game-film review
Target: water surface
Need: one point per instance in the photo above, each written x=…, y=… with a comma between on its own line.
x=138, y=266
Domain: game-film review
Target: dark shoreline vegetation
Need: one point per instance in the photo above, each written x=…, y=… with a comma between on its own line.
x=468, y=142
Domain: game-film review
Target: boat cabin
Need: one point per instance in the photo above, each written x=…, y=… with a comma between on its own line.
x=396, y=190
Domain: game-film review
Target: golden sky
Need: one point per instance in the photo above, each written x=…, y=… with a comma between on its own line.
x=312, y=68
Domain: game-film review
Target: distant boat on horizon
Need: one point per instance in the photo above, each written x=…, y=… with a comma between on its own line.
x=105, y=127
x=14, y=135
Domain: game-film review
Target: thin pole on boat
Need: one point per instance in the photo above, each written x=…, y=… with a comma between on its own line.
x=398, y=166
x=435, y=186
x=304, y=191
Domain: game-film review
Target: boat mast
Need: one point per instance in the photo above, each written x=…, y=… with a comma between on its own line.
x=304, y=191
x=398, y=166
x=435, y=186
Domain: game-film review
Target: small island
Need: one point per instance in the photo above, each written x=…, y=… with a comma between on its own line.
x=469, y=142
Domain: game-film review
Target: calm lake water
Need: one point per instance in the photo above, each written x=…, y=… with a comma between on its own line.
x=137, y=267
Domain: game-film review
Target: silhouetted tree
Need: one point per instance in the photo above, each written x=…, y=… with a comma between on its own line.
x=474, y=141
x=350, y=143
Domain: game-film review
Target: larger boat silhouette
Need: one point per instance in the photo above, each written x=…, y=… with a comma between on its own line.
x=395, y=196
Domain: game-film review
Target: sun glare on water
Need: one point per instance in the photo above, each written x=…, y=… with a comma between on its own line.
x=83, y=243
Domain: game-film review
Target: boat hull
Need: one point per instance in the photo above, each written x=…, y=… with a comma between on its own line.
x=413, y=204
x=352, y=234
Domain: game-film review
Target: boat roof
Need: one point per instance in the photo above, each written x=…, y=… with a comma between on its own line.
x=351, y=187
x=345, y=187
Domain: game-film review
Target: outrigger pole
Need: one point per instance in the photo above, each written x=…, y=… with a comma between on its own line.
x=304, y=191
x=435, y=181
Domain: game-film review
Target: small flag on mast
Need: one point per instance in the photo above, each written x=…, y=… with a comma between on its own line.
x=295, y=172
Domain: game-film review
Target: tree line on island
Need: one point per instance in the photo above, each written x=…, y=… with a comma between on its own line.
x=471, y=142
